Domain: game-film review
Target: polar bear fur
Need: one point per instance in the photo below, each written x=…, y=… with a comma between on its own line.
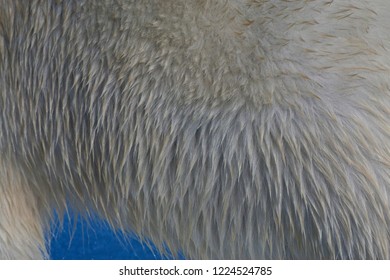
x=226, y=129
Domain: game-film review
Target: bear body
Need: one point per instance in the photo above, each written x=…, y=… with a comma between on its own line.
x=232, y=129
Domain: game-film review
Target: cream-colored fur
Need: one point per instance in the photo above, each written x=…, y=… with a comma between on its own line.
x=224, y=128
x=21, y=227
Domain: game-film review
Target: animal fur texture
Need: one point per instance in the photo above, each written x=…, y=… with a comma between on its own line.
x=225, y=129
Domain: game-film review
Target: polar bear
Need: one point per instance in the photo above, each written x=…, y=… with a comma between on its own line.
x=224, y=129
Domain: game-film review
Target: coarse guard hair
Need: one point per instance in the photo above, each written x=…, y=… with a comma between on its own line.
x=223, y=129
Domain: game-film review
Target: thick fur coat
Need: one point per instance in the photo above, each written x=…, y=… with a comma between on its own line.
x=220, y=128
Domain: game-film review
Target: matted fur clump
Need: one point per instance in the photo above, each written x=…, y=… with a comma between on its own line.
x=227, y=129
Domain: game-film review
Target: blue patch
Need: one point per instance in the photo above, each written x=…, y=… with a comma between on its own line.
x=96, y=241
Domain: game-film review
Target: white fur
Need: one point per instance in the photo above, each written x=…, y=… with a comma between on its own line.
x=224, y=128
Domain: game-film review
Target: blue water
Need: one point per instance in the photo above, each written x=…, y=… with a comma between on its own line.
x=96, y=241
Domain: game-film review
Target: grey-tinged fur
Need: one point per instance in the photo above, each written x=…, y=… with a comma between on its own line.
x=222, y=128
